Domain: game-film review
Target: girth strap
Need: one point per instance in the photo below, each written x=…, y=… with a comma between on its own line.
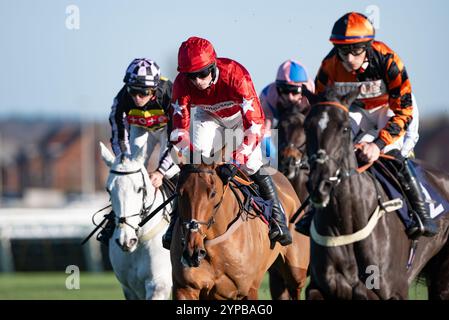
x=329, y=241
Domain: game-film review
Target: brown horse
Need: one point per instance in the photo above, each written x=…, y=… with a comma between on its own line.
x=218, y=250
x=347, y=262
x=293, y=164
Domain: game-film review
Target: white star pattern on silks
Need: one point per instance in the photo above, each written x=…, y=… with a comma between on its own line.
x=246, y=150
x=255, y=128
x=247, y=105
x=178, y=108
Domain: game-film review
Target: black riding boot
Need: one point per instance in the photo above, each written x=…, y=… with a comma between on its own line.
x=278, y=227
x=303, y=225
x=412, y=188
x=166, y=238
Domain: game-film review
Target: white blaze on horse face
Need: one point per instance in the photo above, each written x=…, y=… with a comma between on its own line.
x=323, y=121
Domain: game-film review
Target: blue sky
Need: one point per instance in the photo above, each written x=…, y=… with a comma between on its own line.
x=48, y=69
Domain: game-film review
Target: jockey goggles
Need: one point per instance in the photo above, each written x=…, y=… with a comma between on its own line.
x=355, y=50
x=203, y=73
x=141, y=91
x=289, y=89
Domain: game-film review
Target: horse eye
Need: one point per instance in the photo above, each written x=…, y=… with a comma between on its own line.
x=213, y=193
x=345, y=130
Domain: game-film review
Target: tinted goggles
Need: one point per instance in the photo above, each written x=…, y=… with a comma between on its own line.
x=200, y=74
x=134, y=91
x=289, y=89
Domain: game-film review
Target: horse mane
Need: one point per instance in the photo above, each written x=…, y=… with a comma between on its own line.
x=295, y=117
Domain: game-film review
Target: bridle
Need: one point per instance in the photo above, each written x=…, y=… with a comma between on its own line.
x=193, y=225
x=120, y=221
x=293, y=164
x=321, y=157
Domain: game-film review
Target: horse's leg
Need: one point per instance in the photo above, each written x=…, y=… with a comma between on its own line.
x=299, y=278
x=158, y=288
x=185, y=293
x=439, y=276
x=312, y=292
x=129, y=294
x=253, y=294
x=159, y=283
x=278, y=289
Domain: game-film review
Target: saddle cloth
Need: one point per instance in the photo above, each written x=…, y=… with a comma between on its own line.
x=436, y=204
x=252, y=199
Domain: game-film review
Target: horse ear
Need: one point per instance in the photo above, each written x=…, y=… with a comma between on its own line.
x=107, y=155
x=350, y=97
x=312, y=97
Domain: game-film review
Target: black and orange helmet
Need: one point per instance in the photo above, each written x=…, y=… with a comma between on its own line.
x=352, y=28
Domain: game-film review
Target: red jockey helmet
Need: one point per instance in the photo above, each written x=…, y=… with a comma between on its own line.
x=195, y=54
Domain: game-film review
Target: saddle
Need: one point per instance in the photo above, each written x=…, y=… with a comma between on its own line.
x=252, y=200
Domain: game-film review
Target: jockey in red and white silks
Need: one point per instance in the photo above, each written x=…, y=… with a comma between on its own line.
x=222, y=93
x=230, y=102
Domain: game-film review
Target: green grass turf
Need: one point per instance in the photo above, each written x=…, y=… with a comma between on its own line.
x=93, y=286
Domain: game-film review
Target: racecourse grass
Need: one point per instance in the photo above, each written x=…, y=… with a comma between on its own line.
x=95, y=286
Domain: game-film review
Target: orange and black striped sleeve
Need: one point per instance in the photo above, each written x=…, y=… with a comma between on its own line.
x=322, y=79
x=400, y=97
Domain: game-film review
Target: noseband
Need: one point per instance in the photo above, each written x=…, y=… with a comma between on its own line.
x=321, y=157
x=144, y=210
x=193, y=225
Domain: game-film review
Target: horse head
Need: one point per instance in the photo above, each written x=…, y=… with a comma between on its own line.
x=200, y=191
x=292, y=143
x=130, y=189
x=329, y=145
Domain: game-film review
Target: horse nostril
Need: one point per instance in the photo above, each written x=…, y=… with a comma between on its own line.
x=202, y=253
x=132, y=242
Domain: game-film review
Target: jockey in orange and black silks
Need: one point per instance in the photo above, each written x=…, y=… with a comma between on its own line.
x=222, y=93
x=383, y=113
x=358, y=61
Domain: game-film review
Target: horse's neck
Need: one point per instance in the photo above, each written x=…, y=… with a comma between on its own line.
x=155, y=198
x=353, y=201
x=224, y=216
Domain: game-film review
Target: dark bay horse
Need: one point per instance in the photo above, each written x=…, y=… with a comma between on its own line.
x=373, y=267
x=293, y=164
x=292, y=147
x=219, y=251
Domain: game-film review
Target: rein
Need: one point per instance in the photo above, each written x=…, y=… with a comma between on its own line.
x=194, y=225
x=143, y=212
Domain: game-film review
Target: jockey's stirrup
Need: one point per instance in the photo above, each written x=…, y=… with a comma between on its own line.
x=303, y=225
x=278, y=227
x=425, y=225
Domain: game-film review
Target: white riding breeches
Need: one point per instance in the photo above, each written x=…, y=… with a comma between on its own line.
x=210, y=134
x=366, y=125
